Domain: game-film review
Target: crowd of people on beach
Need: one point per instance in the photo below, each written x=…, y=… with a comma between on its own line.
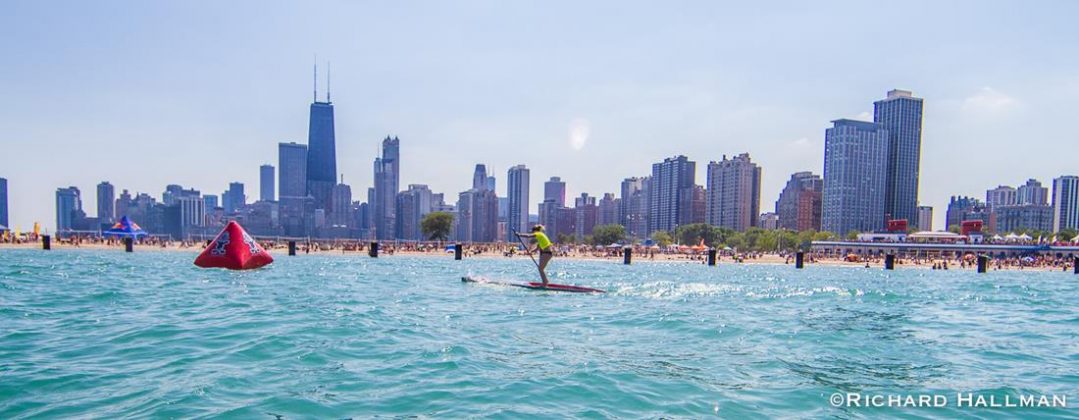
x=961, y=261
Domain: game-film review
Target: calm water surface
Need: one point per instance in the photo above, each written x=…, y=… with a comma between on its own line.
x=107, y=334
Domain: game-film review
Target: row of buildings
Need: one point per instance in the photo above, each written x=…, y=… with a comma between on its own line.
x=1028, y=207
x=870, y=181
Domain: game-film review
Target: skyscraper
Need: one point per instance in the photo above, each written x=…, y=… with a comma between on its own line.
x=266, y=183
x=1001, y=196
x=1065, y=203
x=585, y=213
x=694, y=207
x=106, y=196
x=555, y=189
x=321, y=151
x=341, y=205
x=1032, y=194
x=855, y=176
x=965, y=208
x=671, y=179
x=234, y=198
x=900, y=113
x=479, y=177
x=210, y=202
x=412, y=205
x=925, y=218
x=635, y=195
x=734, y=193
x=387, y=185
x=799, y=204
x=768, y=221
x=192, y=212
x=292, y=170
x=608, y=210
x=517, y=181
x=1023, y=217
x=477, y=215
x=292, y=188
x=68, y=205
x=3, y=203
x=171, y=193
x=123, y=205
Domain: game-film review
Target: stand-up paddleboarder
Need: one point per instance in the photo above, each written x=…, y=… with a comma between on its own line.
x=543, y=245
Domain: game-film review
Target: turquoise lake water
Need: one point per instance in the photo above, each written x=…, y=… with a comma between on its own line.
x=107, y=335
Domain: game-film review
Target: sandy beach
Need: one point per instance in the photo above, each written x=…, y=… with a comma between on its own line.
x=281, y=250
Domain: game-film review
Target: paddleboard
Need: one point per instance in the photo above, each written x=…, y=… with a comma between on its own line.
x=535, y=286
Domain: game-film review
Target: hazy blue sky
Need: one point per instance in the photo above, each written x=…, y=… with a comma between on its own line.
x=144, y=94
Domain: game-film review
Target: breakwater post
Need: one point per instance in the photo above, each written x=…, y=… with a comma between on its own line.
x=46, y=242
x=983, y=261
x=711, y=256
x=627, y=255
x=129, y=245
x=889, y=262
x=457, y=251
x=292, y=248
x=799, y=260
x=373, y=251
x=1075, y=265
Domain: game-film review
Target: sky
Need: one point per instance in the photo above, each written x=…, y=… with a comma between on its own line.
x=199, y=93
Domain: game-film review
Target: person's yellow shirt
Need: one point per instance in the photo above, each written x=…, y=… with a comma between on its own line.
x=542, y=241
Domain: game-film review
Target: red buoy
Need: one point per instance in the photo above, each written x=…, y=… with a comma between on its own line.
x=233, y=249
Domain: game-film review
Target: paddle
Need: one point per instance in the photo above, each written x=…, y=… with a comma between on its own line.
x=526, y=248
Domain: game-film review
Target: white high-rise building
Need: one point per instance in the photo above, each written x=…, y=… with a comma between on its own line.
x=517, y=201
x=1066, y=203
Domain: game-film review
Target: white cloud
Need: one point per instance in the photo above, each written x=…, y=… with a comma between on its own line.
x=988, y=101
x=801, y=142
x=864, y=116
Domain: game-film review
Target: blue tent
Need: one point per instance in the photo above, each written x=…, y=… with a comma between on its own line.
x=125, y=228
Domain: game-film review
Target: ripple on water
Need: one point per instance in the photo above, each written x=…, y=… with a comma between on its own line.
x=107, y=334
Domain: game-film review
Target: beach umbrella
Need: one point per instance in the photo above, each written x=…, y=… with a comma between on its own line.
x=37, y=228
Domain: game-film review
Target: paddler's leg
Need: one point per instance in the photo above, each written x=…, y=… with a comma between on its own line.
x=545, y=257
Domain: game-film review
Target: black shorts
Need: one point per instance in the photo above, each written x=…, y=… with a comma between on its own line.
x=546, y=252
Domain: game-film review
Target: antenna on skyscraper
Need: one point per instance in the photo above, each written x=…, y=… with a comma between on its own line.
x=314, y=90
x=328, y=83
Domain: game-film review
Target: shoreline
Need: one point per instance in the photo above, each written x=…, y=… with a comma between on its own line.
x=762, y=259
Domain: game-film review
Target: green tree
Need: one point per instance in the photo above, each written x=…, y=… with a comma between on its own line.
x=824, y=236
x=567, y=238
x=1067, y=234
x=954, y=229
x=736, y=241
x=852, y=235
x=692, y=234
x=608, y=234
x=436, y=226
x=662, y=238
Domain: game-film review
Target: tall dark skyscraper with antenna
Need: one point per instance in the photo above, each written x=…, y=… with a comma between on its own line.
x=321, y=149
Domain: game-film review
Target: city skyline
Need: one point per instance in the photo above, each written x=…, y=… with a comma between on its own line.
x=701, y=107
